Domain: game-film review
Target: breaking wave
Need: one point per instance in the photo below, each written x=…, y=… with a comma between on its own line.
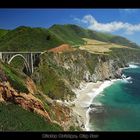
x=133, y=66
x=126, y=79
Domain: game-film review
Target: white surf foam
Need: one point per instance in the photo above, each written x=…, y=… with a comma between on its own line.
x=96, y=92
x=127, y=80
x=133, y=66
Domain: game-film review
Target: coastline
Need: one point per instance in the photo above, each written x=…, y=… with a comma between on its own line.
x=87, y=92
x=84, y=97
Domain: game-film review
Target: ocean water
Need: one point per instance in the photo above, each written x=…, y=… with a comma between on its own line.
x=119, y=108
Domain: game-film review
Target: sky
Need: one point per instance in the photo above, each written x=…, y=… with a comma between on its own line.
x=123, y=22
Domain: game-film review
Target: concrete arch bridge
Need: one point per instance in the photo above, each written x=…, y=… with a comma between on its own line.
x=28, y=57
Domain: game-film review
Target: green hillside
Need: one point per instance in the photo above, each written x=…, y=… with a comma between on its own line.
x=3, y=32
x=15, y=118
x=38, y=39
x=123, y=41
x=28, y=39
x=68, y=33
x=74, y=34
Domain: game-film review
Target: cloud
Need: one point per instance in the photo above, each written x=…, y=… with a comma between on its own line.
x=93, y=24
x=77, y=19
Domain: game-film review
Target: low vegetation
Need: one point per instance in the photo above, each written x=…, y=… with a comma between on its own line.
x=73, y=34
x=48, y=80
x=16, y=79
x=40, y=39
x=3, y=32
x=14, y=118
x=28, y=39
x=99, y=47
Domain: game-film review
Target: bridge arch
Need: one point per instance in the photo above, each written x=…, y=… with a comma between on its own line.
x=25, y=61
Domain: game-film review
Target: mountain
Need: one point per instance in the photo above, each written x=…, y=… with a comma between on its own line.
x=68, y=33
x=39, y=39
x=74, y=34
x=28, y=39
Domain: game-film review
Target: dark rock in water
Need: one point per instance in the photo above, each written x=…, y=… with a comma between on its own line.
x=97, y=110
x=126, y=65
x=127, y=76
x=123, y=76
x=94, y=106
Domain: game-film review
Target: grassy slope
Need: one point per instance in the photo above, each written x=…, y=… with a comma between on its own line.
x=95, y=46
x=67, y=33
x=3, y=32
x=74, y=33
x=16, y=79
x=37, y=39
x=28, y=39
x=14, y=118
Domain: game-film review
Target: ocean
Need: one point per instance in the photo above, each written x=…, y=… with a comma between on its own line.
x=117, y=107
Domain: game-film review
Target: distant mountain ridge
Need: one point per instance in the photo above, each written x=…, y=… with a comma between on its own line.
x=25, y=38
x=86, y=33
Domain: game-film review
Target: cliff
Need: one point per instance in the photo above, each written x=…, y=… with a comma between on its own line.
x=71, y=68
x=50, y=88
x=60, y=72
x=56, y=115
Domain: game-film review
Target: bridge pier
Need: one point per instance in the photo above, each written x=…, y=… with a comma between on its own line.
x=1, y=55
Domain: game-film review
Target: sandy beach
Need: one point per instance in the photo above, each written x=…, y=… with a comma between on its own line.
x=85, y=96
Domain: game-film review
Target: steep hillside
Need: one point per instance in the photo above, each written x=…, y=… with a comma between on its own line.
x=49, y=81
x=68, y=34
x=62, y=71
x=40, y=39
x=62, y=48
x=28, y=39
x=3, y=32
x=34, y=109
x=45, y=97
x=15, y=118
x=74, y=34
x=59, y=73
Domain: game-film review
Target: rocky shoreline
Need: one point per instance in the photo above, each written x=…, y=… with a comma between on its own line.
x=85, y=94
x=84, y=97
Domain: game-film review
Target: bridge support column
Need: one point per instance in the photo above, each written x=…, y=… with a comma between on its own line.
x=32, y=67
x=0, y=55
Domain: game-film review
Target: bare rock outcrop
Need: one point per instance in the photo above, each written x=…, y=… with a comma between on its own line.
x=26, y=101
